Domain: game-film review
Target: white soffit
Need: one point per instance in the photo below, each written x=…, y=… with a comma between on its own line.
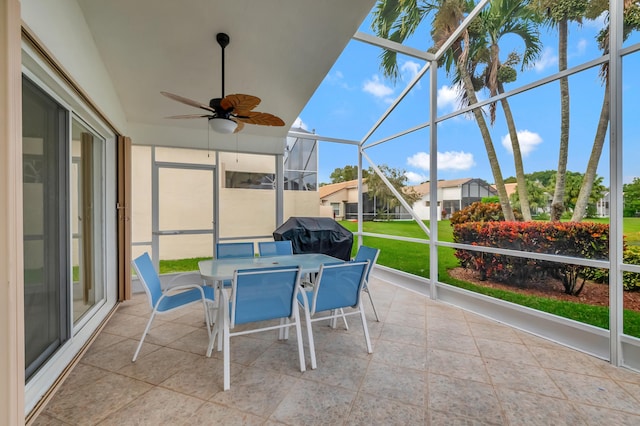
x=280, y=51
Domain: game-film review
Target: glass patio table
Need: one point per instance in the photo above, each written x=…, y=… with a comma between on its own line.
x=218, y=270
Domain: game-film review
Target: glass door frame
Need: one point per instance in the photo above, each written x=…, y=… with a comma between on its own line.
x=156, y=232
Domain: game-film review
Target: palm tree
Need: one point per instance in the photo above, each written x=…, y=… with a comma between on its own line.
x=510, y=17
x=397, y=19
x=559, y=13
x=631, y=23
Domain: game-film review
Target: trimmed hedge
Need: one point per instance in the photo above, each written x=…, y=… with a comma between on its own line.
x=585, y=240
x=630, y=280
x=481, y=212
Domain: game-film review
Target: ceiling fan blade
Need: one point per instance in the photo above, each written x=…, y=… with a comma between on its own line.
x=187, y=101
x=240, y=125
x=190, y=116
x=260, y=118
x=240, y=103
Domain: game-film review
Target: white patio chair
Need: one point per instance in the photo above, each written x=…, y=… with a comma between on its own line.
x=172, y=298
x=260, y=295
x=338, y=286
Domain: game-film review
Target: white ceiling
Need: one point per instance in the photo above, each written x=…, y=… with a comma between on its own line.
x=280, y=51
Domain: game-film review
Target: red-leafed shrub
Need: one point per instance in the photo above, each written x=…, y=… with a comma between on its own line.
x=481, y=212
x=583, y=240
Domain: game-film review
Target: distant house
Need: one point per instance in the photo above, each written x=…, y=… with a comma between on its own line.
x=338, y=196
x=342, y=198
x=602, y=205
x=453, y=195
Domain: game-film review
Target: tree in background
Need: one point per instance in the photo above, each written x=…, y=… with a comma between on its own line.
x=377, y=188
x=541, y=186
x=398, y=19
x=558, y=13
x=508, y=18
x=631, y=23
x=346, y=174
x=538, y=196
x=631, y=193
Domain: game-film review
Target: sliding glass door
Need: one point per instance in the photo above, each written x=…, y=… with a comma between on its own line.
x=46, y=246
x=64, y=223
x=86, y=218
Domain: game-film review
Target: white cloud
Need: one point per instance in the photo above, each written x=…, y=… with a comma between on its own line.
x=410, y=69
x=376, y=87
x=528, y=142
x=414, y=178
x=337, y=79
x=299, y=123
x=448, y=97
x=548, y=59
x=450, y=160
x=581, y=47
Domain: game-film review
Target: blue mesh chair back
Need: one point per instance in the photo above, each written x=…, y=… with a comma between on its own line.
x=234, y=250
x=275, y=248
x=264, y=294
x=148, y=277
x=338, y=286
x=367, y=253
x=370, y=254
x=260, y=295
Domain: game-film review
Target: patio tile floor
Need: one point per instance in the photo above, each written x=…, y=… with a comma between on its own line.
x=433, y=364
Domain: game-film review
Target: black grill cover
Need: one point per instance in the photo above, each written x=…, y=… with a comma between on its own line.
x=316, y=235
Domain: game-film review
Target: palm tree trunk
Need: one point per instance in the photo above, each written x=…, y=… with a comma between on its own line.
x=557, y=205
x=594, y=159
x=488, y=143
x=517, y=158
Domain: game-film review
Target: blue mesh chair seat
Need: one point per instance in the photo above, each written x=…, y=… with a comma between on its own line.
x=260, y=295
x=337, y=286
x=172, y=298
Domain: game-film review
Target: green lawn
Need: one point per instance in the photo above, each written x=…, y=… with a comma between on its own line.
x=414, y=258
x=630, y=229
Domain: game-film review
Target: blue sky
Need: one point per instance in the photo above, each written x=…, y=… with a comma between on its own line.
x=355, y=94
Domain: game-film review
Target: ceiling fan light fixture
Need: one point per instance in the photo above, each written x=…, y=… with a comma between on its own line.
x=222, y=125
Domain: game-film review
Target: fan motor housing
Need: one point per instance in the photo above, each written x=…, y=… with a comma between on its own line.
x=223, y=39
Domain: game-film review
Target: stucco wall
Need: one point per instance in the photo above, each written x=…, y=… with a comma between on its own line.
x=186, y=201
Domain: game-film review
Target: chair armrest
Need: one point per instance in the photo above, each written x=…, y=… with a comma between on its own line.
x=180, y=275
x=178, y=288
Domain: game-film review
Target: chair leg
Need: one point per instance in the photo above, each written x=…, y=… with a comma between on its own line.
x=146, y=330
x=207, y=316
x=303, y=366
x=344, y=319
x=372, y=304
x=222, y=314
x=226, y=351
x=215, y=332
x=333, y=322
x=312, y=346
x=365, y=328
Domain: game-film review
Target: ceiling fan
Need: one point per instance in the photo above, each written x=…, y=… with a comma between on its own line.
x=228, y=114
